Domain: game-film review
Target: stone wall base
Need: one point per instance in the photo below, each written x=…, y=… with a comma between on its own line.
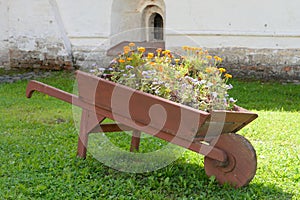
x=259, y=64
x=262, y=64
x=32, y=53
x=50, y=54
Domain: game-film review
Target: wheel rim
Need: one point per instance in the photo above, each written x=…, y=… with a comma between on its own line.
x=240, y=167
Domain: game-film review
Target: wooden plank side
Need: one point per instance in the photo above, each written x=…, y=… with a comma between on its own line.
x=161, y=114
x=140, y=107
x=225, y=122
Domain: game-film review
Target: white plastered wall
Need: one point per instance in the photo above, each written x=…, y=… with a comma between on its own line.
x=129, y=19
x=251, y=24
x=4, y=34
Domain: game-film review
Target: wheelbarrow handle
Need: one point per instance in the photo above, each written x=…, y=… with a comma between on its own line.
x=49, y=90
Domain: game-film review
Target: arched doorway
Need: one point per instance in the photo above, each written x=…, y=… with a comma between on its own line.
x=154, y=21
x=142, y=22
x=156, y=25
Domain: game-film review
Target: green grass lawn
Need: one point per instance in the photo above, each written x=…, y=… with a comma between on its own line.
x=38, y=141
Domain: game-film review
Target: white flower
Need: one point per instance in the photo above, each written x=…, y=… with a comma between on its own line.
x=229, y=87
x=232, y=100
x=113, y=61
x=202, y=82
x=209, y=84
x=101, y=69
x=144, y=73
x=129, y=67
x=214, y=94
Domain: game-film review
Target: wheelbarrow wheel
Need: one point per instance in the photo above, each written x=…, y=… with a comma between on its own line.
x=240, y=167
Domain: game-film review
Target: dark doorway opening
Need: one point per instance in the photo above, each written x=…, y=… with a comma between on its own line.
x=157, y=27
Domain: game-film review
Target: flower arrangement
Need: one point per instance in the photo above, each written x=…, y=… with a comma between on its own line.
x=193, y=79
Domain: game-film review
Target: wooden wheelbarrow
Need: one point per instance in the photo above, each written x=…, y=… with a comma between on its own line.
x=228, y=156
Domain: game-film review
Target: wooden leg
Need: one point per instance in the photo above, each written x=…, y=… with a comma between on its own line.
x=88, y=122
x=135, y=141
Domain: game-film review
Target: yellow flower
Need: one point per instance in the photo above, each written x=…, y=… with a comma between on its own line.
x=158, y=50
x=208, y=70
x=200, y=53
x=166, y=52
x=121, y=60
x=209, y=57
x=141, y=49
x=176, y=60
x=131, y=44
x=150, y=55
x=228, y=75
x=222, y=70
x=218, y=59
x=129, y=59
x=185, y=48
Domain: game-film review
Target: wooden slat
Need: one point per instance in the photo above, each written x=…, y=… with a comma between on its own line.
x=135, y=106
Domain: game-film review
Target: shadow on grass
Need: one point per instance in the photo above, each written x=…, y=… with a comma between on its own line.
x=181, y=180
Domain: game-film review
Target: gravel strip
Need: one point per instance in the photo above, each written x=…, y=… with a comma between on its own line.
x=24, y=76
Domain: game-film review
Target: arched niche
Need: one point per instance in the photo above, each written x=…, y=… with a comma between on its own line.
x=153, y=19
x=156, y=23
x=138, y=21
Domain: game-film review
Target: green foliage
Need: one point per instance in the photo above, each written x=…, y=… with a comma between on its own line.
x=38, y=141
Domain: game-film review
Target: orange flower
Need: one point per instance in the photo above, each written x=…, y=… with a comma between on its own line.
x=158, y=50
x=160, y=68
x=126, y=49
x=152, y=63
x=129, y=59
x=131, y=44
x=208, y=70
x=121, y=60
